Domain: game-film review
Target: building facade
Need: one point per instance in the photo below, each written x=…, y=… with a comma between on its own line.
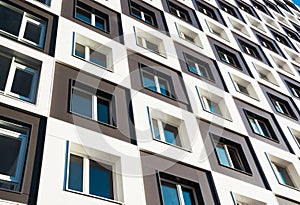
x=135, y=102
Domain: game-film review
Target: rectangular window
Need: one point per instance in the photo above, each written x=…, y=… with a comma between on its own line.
x=230, y=154
x=92, y=52
x=282, y=106
x=143, y=14
x=281, y=39
x=260, y=126
x=291, y=33
x=295, y=90
x=179, y=12
x=249, y=49
x=177, y=191
x=267, y=44
x=91, y=16
x=228, y=9
x=228, y=57
x=13, y=143
x=199, y=67
x=260, y=7
x=165, y=132
x=150, y=42
x=90, y=177
x=207, y=11
x=283, y=170
x=22, y=25
x=91, y=103
x=245, y=7
x=211, y=106
x=157, y=82
x=18, y=79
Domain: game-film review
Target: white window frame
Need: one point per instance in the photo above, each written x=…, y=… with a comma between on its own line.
x=179, y=191
x=10, y=80
x=275, y=169
x=86, y=176
x=27, y=18
x=161, y=131
x=94, y=101
x=205, y=104
x=143, y=14
x=197, y=66
x=21, y=158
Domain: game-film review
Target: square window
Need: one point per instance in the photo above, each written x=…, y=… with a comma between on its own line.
x=99, y=181
x=230, y=154
x=18, y=80
x=284, y=171
x=90, y=103
x=92, y=52
x=228, y=57
x=250, y=49
x=177, y=191
x=295, y=90
x=143, y=14
x=199, y=67
x=260, y=126
x=210, y=12
x=228, y=9
x=243, y=86
x=269, y=44
x=213, y=103
x=188, y=35
x=282, y=106
x=92, y=16
x=245, y=7
x=260, y=7
x=179, y=12
x=150, y=42
x=13, y=143
x=157, y=82
x=22, y=26
x=281, y=39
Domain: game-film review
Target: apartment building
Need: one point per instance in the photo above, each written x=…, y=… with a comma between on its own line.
x=148, y=102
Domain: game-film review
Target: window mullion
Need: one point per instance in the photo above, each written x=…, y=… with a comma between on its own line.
x=156, y=83
x=11, y=75
x=197, y=68
x=228, y=155
x=161, y=130
x=87, y=53
x=142, y=15
x=93, y=19
x=86, y=175
x=22, y=27
x=258, y=126
x=94, y=107
x=180, y=194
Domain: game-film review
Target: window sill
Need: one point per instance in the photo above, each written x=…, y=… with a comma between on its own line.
x=99, y=122
x=268, y=138
x=201, y=77
x=104, y=31
x=178, y=147
x=142, y=21
x=220, y=116
x=231, y=65
x=17, y=98
x=237, y=170
x=248, y=96
x=288, y=186
x=152, y=51
x=286, y=115
x=95, y=64
x=172, y=98
x=94, y=196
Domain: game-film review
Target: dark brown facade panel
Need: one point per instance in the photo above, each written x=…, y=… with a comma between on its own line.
x=48, y=18
x=153, y=165
x=160, y=22
x=209, y=130
x=242, y=107
x=31, y=166
x=60, y=106
x=114, y=20
x=180, y=98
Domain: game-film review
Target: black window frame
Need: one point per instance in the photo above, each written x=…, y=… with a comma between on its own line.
x=153, y=72
x=265, y=121
x=250, y=49
x=290, y=4
x=261, y=7
x=145, y=10
x=233, y=56
x=176, y=7
x=219, y=140
x=283, y=6
x=166, y=177
x=292, y=86
x=272, y=6
x=201, y=6
x=290, y=33
x=287, y=107
x=247, y=8
x=269, y=44
x=281, y=38
x=92, y=11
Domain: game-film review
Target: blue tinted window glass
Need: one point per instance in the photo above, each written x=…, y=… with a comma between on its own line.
x=222, y=155
x=169, y=192
x=164, y=87
x=148, y=81
x=83, y=15
x=100, y=180
x=76, y=173
x=100, y=23
x=171, y=133
x=80, y=50
x=188, y=196
x=98, y=58
x=193, y=69
x=103, y=110
x=81, y=103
